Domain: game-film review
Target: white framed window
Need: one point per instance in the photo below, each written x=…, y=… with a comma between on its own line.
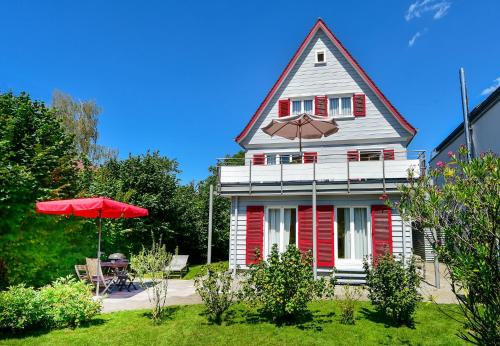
x=320, y=56
x=281, y=228
x=300, y=106
x=352, y=234
x=340, y=106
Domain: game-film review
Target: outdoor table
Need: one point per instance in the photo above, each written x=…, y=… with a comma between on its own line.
x=119, y=269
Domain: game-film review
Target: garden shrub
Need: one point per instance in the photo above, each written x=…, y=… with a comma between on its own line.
x=68, y=303
x=20, y=308
x=393, y=288
x=151, y=267
x=284, y=283
x=215, y=286
x=64, y=303
x=348, y=304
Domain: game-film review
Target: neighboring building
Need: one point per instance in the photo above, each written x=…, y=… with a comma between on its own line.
x=272, y=192
x=484, y=121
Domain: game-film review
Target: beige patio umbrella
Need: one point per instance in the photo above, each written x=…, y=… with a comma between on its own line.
x=301, y=126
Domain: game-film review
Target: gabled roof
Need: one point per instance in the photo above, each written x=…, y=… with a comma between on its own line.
x=317, y=26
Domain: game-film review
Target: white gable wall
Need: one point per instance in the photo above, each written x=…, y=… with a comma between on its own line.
x=337, y=76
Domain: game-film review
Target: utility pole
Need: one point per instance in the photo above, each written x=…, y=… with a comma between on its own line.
x=210, y=210
x=465, y=111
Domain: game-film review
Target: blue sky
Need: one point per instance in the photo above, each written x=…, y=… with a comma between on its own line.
x=159, y=68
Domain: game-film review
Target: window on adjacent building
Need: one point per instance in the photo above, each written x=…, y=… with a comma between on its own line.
x=271, y=159
x=340, y=106
x=302, y=106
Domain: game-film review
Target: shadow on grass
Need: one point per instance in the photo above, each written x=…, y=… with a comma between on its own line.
x=311, y=320
x=167, y=314
x=380, y=317
x=35, y=332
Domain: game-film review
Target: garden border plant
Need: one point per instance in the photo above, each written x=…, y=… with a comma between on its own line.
x=283, y=285
x=393, y=287
x=216, y=287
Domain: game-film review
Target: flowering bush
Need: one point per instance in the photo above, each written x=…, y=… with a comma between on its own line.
x=464, y=210
x=215, y=286
x=393, y=288
x=284, y=284
x=64, y=303
x=20, y=308
x=68, y=303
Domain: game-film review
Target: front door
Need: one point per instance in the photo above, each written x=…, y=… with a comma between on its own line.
x=352, y=234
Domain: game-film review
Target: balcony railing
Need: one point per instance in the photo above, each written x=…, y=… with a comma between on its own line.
x=325, y=168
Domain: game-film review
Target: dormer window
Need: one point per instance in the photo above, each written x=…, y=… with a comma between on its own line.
x=320, y=57
x=300, y=106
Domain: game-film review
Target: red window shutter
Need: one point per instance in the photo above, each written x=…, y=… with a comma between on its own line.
x=310, y=157
x=259, y=159
x=283, y=108
x=321, y=106
x=359, y=102
x=324, y=229
x=352, y=155
x=255, y=233
x=381, y=230
x=324, y=220
x=388, y=154
x=305, y=228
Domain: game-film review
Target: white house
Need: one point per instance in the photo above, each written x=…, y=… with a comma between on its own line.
x=484, y=122
x=275, y=191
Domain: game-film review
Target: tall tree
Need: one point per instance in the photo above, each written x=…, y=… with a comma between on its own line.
x=37, y=161
x=81, y=119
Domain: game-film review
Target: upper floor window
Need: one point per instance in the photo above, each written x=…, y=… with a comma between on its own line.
x=340, y=106
x=302, y=106
x=320, y=57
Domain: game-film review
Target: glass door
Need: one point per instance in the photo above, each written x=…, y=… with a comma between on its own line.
x=352, y=235
x=281, y=228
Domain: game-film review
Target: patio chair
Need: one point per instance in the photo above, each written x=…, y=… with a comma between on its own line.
x=81, y=272
x=96, y=276
x=178, y=266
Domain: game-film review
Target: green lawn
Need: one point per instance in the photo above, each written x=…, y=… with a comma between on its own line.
x=195, y=270
x=186, y=325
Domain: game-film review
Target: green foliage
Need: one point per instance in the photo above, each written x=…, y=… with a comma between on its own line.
x=37, y=161
x=68, y=303
x=80, y=119
x=284, y=284
x=153, y=265
x=348, y=304
x=65, y=303
x=215, y=285
x=393, y=288
x=20, y=308
x=465, y=209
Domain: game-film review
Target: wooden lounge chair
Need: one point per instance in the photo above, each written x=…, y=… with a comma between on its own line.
x=81, y=272
x=178, y=266
x=96, y=276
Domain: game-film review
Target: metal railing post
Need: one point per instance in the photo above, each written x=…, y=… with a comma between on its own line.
x=348, y=177
x=250, y=178
x=281, y=176
x=383, y=170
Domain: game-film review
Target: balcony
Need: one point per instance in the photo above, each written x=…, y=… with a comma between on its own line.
x=332, y=173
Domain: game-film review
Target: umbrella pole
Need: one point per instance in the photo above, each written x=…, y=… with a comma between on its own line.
x=99, y=254
x=300, y=141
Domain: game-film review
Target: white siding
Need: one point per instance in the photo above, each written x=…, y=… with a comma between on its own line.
x=243, y=202
x=337, y=76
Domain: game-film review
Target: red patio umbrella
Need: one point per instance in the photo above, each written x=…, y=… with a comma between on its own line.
x=98, y=207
